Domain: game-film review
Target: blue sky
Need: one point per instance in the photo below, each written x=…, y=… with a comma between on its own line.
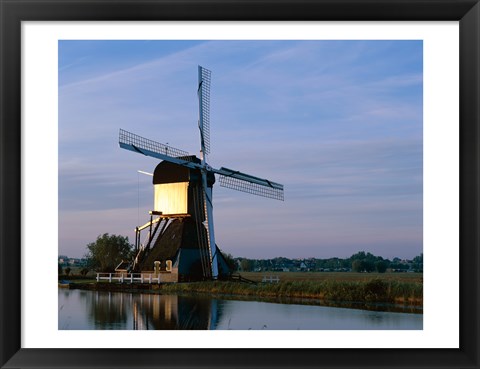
x=339, y=123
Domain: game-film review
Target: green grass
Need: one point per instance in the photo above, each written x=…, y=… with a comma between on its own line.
x=399, y=288
x=384, y=290
x=336, y=276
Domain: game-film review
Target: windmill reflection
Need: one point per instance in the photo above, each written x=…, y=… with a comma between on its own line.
x=112, y=310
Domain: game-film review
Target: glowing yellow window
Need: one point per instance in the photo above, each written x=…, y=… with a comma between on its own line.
x=171, y=198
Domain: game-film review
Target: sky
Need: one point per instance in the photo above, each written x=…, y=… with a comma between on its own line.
x=338, y=123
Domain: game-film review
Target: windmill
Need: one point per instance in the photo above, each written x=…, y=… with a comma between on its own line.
x=183, y=194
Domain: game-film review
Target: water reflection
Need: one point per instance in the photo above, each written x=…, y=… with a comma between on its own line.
x=80, y=309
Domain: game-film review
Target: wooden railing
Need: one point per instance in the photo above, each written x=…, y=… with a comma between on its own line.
x=129, y=277
x=271, y=279
x=239, y=278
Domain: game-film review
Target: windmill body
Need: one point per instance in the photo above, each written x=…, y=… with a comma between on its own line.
x=180, y=233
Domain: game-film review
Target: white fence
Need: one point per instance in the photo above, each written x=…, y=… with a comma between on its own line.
x=129, y=277
x=271, y=279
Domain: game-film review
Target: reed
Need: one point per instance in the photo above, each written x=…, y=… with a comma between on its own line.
x=374, y=290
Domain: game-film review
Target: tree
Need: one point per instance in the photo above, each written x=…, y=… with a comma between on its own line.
x=246, y=265
x=358, y=256
x=67, y=271
x=357, y=266
x=107, y=252
x=232, y=265
x=418, y=259
x=381, y=266
x=417, y=263
x=364, y=262
x=60, y=269
x=368, y=265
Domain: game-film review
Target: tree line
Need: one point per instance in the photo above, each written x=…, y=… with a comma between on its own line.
x=108, y=251
x=360, y=262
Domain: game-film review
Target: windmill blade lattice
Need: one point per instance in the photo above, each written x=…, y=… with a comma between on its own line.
x=204, y=80
x=195, y=200
x=142, y=145
x=250, y=184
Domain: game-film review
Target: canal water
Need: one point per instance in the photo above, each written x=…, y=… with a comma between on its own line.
x=80, y=310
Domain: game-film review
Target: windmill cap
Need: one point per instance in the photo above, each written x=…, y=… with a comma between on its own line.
x=166, y=172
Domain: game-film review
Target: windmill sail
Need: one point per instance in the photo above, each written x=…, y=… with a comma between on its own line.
x=204, y=79
x=199, y=194
x=247, y=183
x=141, y=145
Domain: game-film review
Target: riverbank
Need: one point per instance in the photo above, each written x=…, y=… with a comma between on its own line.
x=371, y=291
x=367, y=290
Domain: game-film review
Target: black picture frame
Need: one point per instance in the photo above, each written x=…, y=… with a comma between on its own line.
x=13, y=12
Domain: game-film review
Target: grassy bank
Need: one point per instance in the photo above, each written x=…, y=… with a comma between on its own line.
x=335, y=287
x=336, y=276
x=373, y=290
